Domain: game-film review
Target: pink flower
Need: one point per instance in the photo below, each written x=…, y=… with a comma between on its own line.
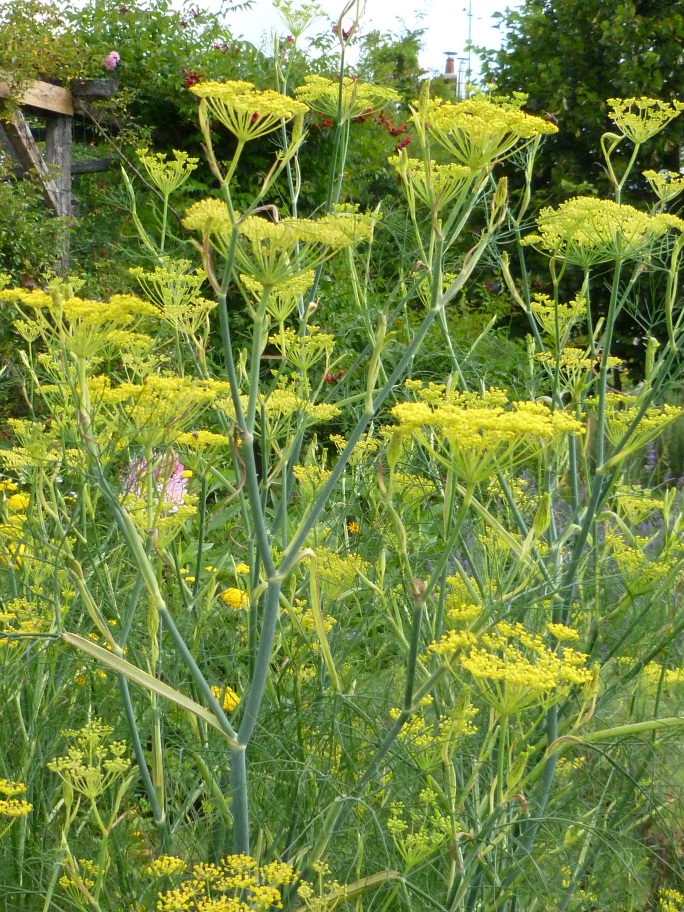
x=111, y=60
x=171, y=479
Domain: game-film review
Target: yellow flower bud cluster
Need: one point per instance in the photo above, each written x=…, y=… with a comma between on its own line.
x=654, y=673
x=303, y=351
x=639, y=119
x=670, y=901
x=247, y=112
x=157, y=410
x=283, y=299
x=478, y=132
x=305, y=618
x=352, y=99
x=556, y=320
x=19, y=617
x=165, y=866
x=311, y=478
x=277, y=252
x=426, y=738
x=202, y=440
x=236, y=884
x=176, y=290
x=283, y=403
x=235, y=598
x=211, y=218
x=339, y=571
x=587, y=231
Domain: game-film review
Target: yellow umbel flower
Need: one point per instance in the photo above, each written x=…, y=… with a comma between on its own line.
x=351, y=99
x=159, y=408
x=556, y=319
x=202, y=440
x=478, y=132
x=226, y=698
x=667, y=185
x=93, y=762
x=515, y=670
x=10, y=805
x=274, y=253
x=176, y=289
x=475, y=434
x=639, y=119
x=234, y=884
x=168, y=174
x=18, y=503
x=562, y=633
x=621, y=410
x=587, y=231
x=283, y=299
x=247, y=112
x=303, y=351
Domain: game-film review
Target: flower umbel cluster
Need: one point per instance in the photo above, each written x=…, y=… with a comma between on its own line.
x=10, y=805
x=587, y=231
x=639, y=119
x=358, y=98
x=93, y=762
x=236, y=884
x=515, y=669
x=476, y=434
x=478, y=132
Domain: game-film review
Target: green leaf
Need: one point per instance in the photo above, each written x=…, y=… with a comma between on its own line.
x=143, y=679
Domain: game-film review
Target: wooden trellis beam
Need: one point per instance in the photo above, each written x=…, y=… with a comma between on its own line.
x=44, y=96
x=28, y=154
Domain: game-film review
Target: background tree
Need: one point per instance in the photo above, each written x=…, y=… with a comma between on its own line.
x=571, y=56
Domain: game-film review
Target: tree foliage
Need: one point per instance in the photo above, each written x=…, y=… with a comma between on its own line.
x=573, y=55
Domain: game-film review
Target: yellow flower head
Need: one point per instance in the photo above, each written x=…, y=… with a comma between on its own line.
x=247, y=112
x=165, y=866
x=435, y=185
x=639, y=119
x=476, y=434
x=357, y=98
x=168, y=174
x=226, y=698
x=235, y=599
x=18, y=503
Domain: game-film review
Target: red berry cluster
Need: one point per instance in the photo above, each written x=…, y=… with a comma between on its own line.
x=191, y=78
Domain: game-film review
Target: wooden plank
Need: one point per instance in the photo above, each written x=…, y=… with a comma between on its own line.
x=88, y=166
x=58, y=155
x=94, y=88
x=19, y=134
x=42, y=95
